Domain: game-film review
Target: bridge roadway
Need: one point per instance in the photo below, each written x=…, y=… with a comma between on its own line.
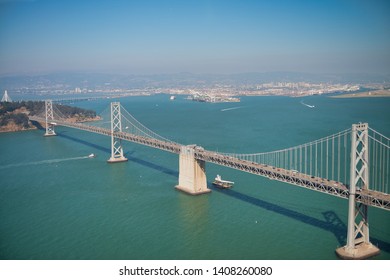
x=368, y=197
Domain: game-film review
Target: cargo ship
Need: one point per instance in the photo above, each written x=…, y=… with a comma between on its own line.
x=218, y=182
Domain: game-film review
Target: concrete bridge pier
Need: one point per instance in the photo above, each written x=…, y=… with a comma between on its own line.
x=192, y=172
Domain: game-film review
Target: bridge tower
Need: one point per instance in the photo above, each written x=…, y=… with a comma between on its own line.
x=192, y=172
x=49, y=118
x=116, y=126
x=358, y=238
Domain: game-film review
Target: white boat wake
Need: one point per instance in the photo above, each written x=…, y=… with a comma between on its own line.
x=49, y=161
x=307, y=105
x=232, y=108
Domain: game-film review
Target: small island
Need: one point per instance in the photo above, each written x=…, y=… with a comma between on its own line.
x=14, y=116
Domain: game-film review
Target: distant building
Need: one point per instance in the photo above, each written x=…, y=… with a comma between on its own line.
x=6, y=97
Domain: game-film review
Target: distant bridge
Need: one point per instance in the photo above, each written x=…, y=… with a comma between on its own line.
x=339, y=165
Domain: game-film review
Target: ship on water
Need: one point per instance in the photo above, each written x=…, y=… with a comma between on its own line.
x=218, y=182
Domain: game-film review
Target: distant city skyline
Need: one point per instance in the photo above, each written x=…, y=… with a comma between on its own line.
x=152, y=37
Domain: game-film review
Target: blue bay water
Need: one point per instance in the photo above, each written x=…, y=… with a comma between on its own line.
x=55, y=203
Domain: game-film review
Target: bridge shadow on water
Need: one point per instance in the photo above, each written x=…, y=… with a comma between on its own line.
x=63, y=134
x=152, y=165
x=128, y=155
x=330, y=223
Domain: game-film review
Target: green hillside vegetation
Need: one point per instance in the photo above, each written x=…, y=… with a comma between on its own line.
x=18, y=112
x=19, y=119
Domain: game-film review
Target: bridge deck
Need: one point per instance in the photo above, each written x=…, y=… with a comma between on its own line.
x=368, y=197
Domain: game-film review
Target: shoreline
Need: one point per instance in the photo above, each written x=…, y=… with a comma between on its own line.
x=15, y=128
x=18, y=130
x=365, y=94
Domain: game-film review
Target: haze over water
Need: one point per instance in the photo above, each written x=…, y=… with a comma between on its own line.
x=57, y=204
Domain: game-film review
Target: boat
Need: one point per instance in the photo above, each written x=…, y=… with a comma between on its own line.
x=218, y=182
x=91, y=156
x=308, y=105
x=172, y=97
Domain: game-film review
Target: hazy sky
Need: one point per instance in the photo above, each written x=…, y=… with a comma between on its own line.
x=145, y=36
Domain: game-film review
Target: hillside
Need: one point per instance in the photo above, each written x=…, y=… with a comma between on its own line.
x=14, y=115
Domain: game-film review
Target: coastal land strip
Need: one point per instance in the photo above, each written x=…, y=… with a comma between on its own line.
x=368, y=93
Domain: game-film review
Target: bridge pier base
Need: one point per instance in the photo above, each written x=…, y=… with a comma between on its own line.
x=192, y=172
x=117, y=159
x=359, y=252
x=50, y=131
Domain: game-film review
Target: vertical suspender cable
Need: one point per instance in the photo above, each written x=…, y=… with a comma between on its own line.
x=345, y=159
x=327, y=157
x=374, y=163
x=305, y=159
x=295, y=158
x=321, y=159
x=316, y=160
x=338, y=161
x=300, y=158
x=382, y=163
x=381, y=166
x=333, y=158
x=285, y=159
x=378, y=147
x=387, y=169
x=311, y=153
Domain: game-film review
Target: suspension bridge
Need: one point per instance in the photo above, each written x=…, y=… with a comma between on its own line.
x=353, y=164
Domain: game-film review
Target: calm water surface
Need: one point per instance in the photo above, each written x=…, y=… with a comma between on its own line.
x=55, y=203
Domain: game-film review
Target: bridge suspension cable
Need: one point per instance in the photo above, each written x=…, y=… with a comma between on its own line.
x=129, y=123
x=133, y=126
x=379, y=161
x=327, y=157
x=57, y=113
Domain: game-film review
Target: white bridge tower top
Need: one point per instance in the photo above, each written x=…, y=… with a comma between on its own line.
x=6, y=97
